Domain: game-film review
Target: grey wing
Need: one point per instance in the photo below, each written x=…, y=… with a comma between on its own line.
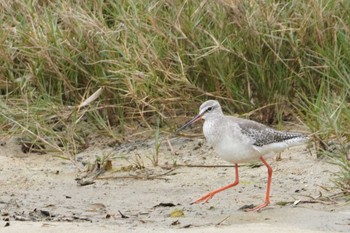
x=263, y=135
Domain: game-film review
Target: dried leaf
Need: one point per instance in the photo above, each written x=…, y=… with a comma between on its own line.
x=84, y=182
x=177, y=213
x=246, y=207
x=92, y=98
x=282, y=203
x=177, y=222
x=164, y=205
x=108, y=165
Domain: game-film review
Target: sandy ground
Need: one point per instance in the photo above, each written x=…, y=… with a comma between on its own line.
x=39, y=193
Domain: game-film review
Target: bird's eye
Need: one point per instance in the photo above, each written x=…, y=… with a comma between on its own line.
x=209, y=109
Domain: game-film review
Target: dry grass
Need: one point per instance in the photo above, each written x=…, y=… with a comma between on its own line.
x=160, y=59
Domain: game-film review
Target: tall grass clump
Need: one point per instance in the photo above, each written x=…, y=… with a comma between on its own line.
x=159, y=59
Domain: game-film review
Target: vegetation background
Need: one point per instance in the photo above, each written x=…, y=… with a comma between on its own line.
x=154, y=61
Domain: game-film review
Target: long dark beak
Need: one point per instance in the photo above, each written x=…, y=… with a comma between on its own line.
x=194, y=120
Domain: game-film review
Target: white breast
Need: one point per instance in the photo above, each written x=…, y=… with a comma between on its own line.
x=229, y=143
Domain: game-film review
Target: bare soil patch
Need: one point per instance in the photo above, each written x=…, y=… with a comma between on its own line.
x=39, y=192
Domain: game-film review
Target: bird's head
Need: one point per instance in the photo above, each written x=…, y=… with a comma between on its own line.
x=206, y=110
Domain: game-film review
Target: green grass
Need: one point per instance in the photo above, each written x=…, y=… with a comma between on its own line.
x=160, y=59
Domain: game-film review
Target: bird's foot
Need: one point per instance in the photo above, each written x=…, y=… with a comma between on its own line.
x=205, y=198
x=258, y=208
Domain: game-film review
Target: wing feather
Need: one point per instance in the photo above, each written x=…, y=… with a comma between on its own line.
x=263, y=135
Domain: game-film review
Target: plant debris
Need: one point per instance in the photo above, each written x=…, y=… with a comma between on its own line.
x=245, y=207
x=165, y=205
x=122, y=215
x=177, y=213
x=84, y=182
x=177, y=222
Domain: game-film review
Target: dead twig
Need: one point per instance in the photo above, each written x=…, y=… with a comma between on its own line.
x=295, y=203
x=170, y=146
x=122, y=215
x=207, y=165
x=146, y=177
x=219, y=223
x=339, y=193
x=203, y=165
x=190, y=135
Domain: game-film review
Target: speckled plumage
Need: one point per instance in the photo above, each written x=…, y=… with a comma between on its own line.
x=264, y=135
x=239, y=140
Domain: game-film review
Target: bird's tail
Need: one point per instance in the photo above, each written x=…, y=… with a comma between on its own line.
x=302, y=139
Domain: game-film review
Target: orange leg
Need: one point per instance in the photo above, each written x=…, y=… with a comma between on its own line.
x=207, y=197
x=269, y=179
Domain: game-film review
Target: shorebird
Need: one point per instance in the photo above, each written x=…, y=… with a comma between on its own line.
x=238, y=140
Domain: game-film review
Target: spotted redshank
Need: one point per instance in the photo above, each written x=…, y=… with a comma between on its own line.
x=239, y=140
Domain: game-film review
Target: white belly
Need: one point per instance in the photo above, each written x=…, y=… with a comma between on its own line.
x=232, y=146
x=235, y=151
x=229, y=143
